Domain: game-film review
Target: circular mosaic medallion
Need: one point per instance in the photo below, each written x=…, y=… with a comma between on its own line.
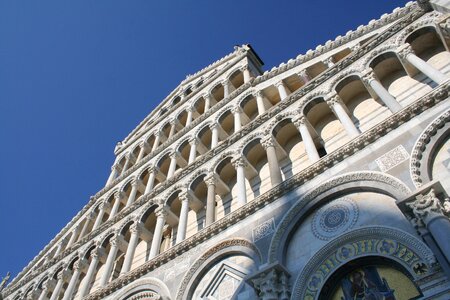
x=334, y=218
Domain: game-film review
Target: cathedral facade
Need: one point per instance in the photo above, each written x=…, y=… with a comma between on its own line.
x=326, y=177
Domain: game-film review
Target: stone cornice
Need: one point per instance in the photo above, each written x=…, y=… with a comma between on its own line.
x=415, y=14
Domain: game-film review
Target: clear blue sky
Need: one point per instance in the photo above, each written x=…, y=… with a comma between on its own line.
x=78, y=76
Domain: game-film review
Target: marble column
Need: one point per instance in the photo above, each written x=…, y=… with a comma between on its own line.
x=189, y=110
x=161, y=215
x=246, y=72
x=89, y=218
x=207, y=98
x=151, y=180
x=260, y=102
x=239, y=164
x=60, y=248
x=157, y=140
x=173, y=125
x=428, y=210
x=113, y=175
x=226, y=88
x=173, y=164
x=49, y=286
x=128, y=162
x=143, y=147
x=307, y=139
x=182, y=224
x=193, y=151
x=74, y=236
x=268, y=144
x=100, y=214
x=304, y=76
x=84, y=288
x=214, y=134
x=134, y=189
x=336, y=104
x=369, y=79
x=282, y=91
x=406, y=52
x=114, y=242
x=131, y=249
x=76, y=271
x=118, y=196
x=211, y=182
x=62, y=277
x=329, y=62
x=236, y=111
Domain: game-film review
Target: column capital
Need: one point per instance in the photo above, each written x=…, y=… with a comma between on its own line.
x=174, y=154
x=279, y=83
x=236, y=110
x=173, y=121
x=135, y=228
x=272, y=282
x=333, y=99
x=210, y=179
x=368, y=75
x=404, y=50
x=213, y=125
x=206, y=96
x=224, y=81
x=119, y=195
x=193, y=141
x=244, y=68
x=190, y=108
x=239, y=162
x=183, y=196
x=64, y=275
x=135, y=182
x=329, y=61
x=426, y=206
x=161, y=212
x=50, y=284
x=299, y=121
x=268, y=141
x=304, y=75
x=130, y=156
x=144, y=144
x=115, y=167
x=258, y=93
x=355, y=48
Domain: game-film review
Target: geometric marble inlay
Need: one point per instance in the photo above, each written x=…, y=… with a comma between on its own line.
x=334, y=218
x=392, y=158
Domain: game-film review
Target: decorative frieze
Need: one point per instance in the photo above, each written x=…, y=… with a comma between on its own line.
x=392, y=158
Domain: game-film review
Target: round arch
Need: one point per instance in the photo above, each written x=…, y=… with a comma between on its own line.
x=222, y=250
x=143, y=285
x=341, y=185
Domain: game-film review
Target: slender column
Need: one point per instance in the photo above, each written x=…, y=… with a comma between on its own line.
x=118, y=196
x=84, y=289
x=247, y=76
x=74, y=236
x=329, y=62
x=173, y=164
x=239, y=164
x=62, y=277
x=405, y=51
x=189, y=115
x=428, y=209
x=214, y=135
x=310, y=147
x=226, y=88
x=143, y=147
x=134, y=189
x=101, y=213
x=61, y=245
x=193, y=151
x=167, y=237
x=151, y=180
x=132, y=244
x=114, y=242
x=211, y=182
x=182, y=224
x=275, y=173
x=304, y=76
x=335, y=102
x=173, y=124
x=207, y=98
x=157, y=139
x=161, y=215
x=89, y=218
x=282, y=91
x=73, y=280
x=127, y=162
x=113, y=175
x=236, y=111
x=260, y=102
x=389, y=100
x=49, y=285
